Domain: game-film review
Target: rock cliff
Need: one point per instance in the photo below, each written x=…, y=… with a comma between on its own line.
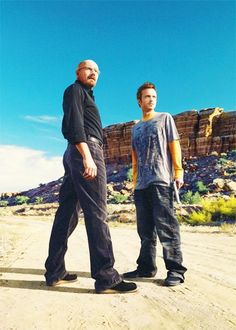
x=201, y=133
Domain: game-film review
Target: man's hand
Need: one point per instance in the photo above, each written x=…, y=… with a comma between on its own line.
x=90, y=168
x=179, y=183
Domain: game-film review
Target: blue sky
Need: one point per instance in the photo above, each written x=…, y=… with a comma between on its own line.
x=187, y=48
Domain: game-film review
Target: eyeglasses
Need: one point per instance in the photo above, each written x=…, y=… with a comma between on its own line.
x=90, y=69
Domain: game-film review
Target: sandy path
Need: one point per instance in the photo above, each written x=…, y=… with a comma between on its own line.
x=206, y=300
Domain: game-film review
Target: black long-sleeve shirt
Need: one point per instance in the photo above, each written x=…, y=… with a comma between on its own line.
x=81, y=115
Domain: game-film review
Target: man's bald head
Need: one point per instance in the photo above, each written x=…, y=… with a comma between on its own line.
x=87, y=72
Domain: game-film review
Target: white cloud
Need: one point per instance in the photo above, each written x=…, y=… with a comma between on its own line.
x=43, y=119
x=23, y=168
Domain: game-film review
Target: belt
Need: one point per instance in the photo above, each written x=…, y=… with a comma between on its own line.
x=93, y=139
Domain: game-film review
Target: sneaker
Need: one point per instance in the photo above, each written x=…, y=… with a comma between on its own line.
x=67, y=279
x=136, y=273
x=122, y=287
x=173, y=281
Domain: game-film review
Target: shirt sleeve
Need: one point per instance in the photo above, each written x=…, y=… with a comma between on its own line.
x=172, y=133
x=175, y=151
x=73, y=120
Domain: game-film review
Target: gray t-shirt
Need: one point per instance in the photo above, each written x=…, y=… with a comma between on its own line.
x=150, y=142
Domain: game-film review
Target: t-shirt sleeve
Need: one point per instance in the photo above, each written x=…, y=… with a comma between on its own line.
x=172, y=133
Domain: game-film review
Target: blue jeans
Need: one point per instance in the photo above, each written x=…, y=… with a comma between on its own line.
x=155, y=217
x=76, y=193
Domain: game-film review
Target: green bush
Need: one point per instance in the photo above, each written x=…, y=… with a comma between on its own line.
x=201, y=187
x=3, y=203
x=212, y=211
x=20, y=199
x=119, y=198
x=38, y=200
x=130, y=174
x=199, y=218
x=222, y=161
x=190, y=198
x=220, y=208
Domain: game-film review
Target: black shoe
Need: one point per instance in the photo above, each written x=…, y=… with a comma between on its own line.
x=173, y=281
x=67, y=279
x=136, y=273
x=122, y=287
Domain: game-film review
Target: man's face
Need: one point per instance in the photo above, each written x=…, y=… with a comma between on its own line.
x=148, y=99
x=88, y=73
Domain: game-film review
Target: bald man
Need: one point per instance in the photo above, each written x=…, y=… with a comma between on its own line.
x=84, y=188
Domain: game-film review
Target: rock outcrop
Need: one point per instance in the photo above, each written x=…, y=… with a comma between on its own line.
x=117, y=143
x=201, y=133
x=208, y=138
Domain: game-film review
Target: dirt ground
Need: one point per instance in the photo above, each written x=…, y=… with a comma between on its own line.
x=207, y=300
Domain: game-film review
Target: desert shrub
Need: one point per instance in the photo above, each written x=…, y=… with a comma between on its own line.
x=212, y=211
x=201, y=187
x=3, y=203
x=190, y=198
x=119, y=198
x=20, y=199
x=220, y=208
x=199, y=218
x=130, y=174
x=38, y=200
x=222, y=161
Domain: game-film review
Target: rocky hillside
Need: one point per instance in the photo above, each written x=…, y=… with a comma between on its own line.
x=216, y=174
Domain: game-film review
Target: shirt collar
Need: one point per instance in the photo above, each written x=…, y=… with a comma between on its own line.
x=88, y=89
x=83, y=85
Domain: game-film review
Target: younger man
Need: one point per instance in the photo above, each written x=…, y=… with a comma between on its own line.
x=156, y=154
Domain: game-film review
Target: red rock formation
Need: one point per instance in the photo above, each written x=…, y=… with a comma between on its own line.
x=224, y=132
x=117, y=143
x=187, y=124
x=201, y=133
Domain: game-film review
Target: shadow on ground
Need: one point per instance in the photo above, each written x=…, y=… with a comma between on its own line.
x=39, y=285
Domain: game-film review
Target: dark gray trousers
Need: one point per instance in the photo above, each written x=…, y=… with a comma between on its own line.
x=76, y=193
x=155, y=217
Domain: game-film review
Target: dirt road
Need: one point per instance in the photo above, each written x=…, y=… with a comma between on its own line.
x=207, y=300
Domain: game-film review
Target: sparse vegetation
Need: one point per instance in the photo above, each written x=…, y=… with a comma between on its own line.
x=190, y=198
x=3, y=203
x=199, y=218
x=38, y=200
x=130, y=174
x=201, y=188
x=213, y=211
x=222, y=161
x=20, y=199
x=220, y=209
x=119, y=198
